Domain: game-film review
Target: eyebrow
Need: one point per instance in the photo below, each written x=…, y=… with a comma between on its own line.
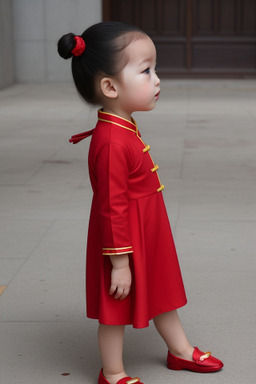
x=146, y=60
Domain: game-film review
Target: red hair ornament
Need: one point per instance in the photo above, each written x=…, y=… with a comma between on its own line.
x=79, y=47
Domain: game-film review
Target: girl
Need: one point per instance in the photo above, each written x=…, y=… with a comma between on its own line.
x=133, y=274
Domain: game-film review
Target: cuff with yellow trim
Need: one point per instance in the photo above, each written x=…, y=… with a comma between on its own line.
x=116, y=251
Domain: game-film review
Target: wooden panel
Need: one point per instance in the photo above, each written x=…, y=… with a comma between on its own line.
x=195, y=36
x=171, y=40
x=148, y=20
x=218, y=57
x=122, y=10
x=170, y=56
x=220, y=36
x=227, y=17
x=248, y=17
x=173, y=18
x=203, y=17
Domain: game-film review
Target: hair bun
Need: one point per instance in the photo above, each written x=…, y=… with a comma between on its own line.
x=65, y=45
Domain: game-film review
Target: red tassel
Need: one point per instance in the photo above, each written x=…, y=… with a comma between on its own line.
x=80, y=136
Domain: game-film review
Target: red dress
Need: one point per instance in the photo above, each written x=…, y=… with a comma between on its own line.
x=128, y=215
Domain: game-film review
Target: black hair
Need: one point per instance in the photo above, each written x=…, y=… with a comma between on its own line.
x=104, y=43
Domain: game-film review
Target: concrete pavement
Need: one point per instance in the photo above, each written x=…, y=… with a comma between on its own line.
x=203, y=136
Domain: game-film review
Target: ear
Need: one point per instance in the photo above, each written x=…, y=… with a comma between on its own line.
x=108, y=87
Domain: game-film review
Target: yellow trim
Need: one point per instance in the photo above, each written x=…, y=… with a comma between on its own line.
x=120, y=125
x=2, y=289
x=146, y=149
x=133, y=381
x=113, y=122
x=155, y=169
x=113, y=249
x=160, y=188
x=205, y=356
x=116, y=253
x=119, y=117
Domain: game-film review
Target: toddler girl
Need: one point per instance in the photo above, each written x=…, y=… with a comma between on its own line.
x=133, y=273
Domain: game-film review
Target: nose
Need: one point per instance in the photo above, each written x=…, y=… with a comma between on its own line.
x=157, y=80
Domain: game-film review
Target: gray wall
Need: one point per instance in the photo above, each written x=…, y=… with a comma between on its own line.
x=6, y=44
x=38, y=24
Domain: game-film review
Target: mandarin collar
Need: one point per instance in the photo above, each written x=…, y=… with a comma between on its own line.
x=117, y=120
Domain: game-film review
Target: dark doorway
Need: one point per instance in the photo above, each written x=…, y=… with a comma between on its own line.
x=195, y=37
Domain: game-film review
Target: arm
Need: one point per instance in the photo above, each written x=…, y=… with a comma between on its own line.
x=112, y=172
x=112, y=177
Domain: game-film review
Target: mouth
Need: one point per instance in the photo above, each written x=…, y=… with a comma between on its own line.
x=157, y=95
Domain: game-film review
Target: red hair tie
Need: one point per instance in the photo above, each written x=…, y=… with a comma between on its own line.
x=79, y=47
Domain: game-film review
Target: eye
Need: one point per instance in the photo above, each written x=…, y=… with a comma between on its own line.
x=146, y=71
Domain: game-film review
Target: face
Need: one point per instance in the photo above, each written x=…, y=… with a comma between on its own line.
x=137, y=83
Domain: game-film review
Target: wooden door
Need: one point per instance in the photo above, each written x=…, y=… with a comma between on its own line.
x=195, y=37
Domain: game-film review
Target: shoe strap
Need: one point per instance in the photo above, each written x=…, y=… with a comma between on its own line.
x=200, y=356
x=129, y=380
x=205, y=356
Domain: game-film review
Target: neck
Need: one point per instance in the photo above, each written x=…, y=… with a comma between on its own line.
x=116, y=111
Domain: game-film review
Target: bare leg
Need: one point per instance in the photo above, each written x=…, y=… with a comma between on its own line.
x=111, y=341
x=170, y=328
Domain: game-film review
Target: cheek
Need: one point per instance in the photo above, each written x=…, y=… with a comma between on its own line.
x=139, y=88
x=147, y=89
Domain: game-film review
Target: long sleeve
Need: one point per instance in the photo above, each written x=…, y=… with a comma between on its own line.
x=112, y=171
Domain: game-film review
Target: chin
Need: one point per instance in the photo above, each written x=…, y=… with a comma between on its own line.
x=146, y=108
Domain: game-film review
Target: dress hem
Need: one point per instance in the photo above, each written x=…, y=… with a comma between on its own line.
x=133, y=324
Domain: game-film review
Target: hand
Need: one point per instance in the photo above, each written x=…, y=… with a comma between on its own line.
x=121, y=279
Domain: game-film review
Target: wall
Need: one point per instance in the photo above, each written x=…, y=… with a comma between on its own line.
x=38, y=24
x=6, y=44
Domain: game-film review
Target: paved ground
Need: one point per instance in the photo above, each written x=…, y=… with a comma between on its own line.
x=203, y=136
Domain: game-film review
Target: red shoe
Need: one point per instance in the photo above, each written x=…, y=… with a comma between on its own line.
x=203, y=362
x=124, y=380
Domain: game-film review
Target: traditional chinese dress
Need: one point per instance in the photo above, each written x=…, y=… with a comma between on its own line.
x=128, y=216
